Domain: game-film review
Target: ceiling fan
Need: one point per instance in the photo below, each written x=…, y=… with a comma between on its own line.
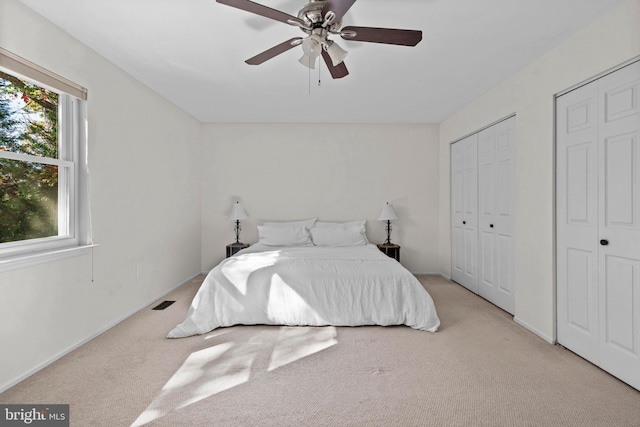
x=319, y=19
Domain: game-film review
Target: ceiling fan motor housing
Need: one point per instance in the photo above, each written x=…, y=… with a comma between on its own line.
x=311, y=14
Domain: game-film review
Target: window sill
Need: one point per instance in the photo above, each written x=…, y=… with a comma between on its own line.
x=31, y=259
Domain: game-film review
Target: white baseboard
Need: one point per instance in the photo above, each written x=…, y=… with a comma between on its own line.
x=6, y=386
x=536, y=331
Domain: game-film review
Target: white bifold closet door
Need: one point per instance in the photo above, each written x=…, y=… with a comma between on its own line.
x=464, y=209
x=482, y=167
x=598, y=222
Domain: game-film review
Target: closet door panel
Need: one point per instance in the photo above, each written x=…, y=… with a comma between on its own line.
x=620, y=258
x=621, y=275
x=487, y=178
x=487, y=263
x=504, y=260
x=576, y=222
x=464, y=159
x=457, y=233
x=504, y=223
x=620, y=205
x=496, y=187
x=619, y=222
x=580, y=299
x=470, y=213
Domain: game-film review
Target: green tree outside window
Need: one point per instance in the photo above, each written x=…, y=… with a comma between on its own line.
x=28, y=189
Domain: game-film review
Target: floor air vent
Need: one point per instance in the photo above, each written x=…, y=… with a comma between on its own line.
x=163, y=305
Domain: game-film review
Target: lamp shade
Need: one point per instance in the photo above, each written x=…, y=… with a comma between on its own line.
x=312, y=48
x=336, y=53
x=388, y=214
x=237, y=212
x=308, y=61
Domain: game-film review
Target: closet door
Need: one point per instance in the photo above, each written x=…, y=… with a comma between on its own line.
x=598, y=222
x=619, y=222
x=495, y=214
x=577, y=220
x=464, y=218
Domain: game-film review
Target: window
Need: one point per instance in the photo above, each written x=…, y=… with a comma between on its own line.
x=42, y=176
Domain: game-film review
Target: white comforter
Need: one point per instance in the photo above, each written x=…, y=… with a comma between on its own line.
x=311, y=286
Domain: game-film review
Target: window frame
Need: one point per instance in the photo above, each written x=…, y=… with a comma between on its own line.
x=74, y=234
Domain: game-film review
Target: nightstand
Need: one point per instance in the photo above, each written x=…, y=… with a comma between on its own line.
x=391, y=250
x=233, y=248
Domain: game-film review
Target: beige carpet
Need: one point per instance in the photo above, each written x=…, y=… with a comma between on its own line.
x=480, y=369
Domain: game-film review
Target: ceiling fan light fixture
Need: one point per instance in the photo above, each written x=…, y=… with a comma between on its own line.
x=312, y=46
x=308, y=61
x=336, y=53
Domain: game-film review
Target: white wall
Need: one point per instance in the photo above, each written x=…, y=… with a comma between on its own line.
x=610, y=40
x=334, y=172
x=145, y=194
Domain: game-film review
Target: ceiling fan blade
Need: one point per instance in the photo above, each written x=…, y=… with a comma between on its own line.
x=382, y=35
x=261, y=10
x=338, y=7
x=274, y=51
x=337, y=71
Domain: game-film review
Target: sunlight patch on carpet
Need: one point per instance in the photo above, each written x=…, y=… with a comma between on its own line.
x=297, y=342
x=229, y=364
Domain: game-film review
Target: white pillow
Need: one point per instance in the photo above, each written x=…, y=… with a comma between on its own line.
x=338, y=236
x=350, y=224
x=284, y=236
x=305, y=223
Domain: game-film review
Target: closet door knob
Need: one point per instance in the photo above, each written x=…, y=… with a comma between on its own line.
x=464, y=222
x=491, y=225
x=604, y=242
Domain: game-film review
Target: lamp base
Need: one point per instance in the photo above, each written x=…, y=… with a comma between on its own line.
x=388, y=241
x=237, y=229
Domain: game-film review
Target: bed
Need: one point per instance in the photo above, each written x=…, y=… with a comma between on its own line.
x=302, y=275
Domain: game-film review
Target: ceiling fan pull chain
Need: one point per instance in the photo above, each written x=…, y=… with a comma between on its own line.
x=319, y=80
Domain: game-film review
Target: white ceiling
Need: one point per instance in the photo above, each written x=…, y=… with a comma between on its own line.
x=193, y=52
